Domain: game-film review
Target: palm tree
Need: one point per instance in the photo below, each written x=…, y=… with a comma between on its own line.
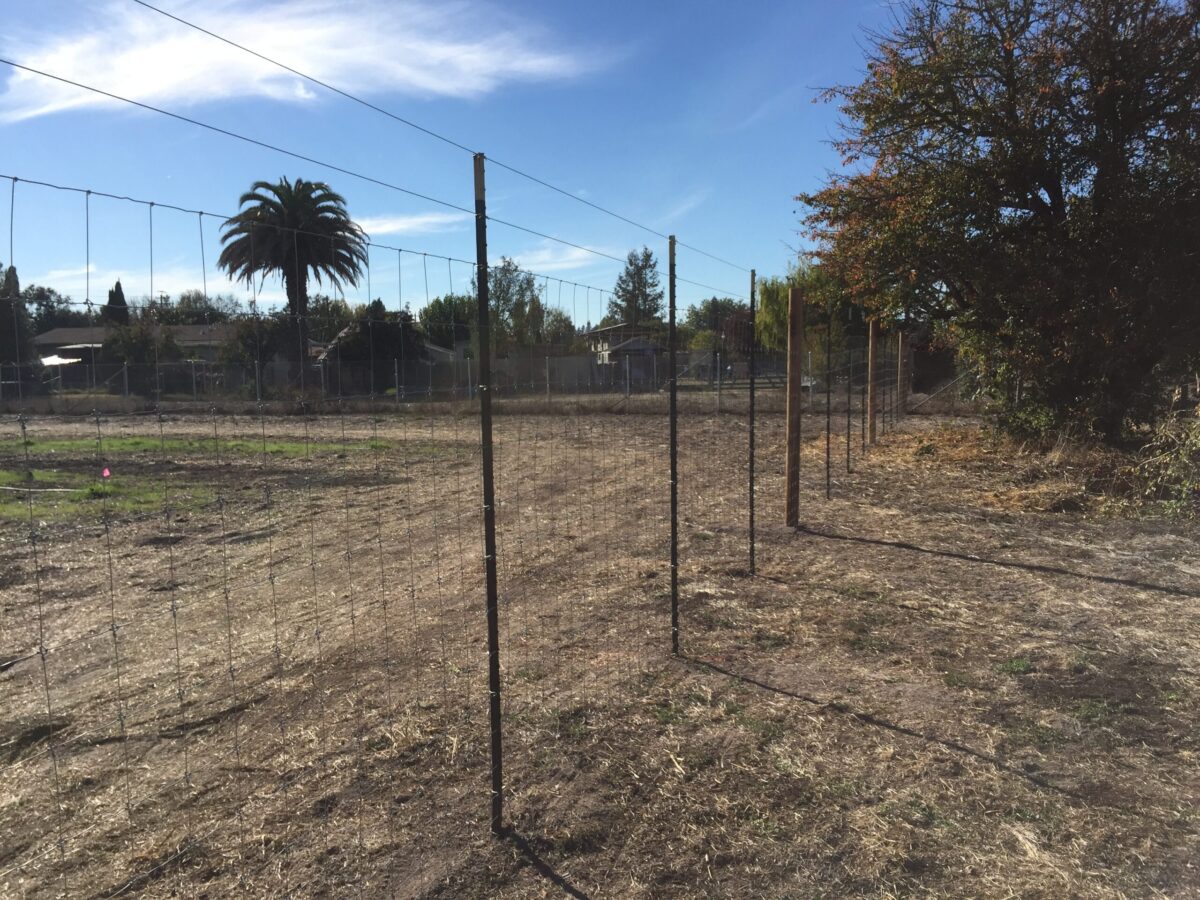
x=295, y=230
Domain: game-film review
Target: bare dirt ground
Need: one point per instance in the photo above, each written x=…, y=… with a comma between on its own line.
x=263, y=673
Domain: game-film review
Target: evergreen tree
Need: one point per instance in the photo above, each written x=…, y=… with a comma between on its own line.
x=638, y=296
x=116, y=311
x=16, y=335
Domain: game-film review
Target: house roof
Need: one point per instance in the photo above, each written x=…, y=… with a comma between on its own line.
x=80, y=334
x=636, y=345
x=606, y=328
x=184, y=335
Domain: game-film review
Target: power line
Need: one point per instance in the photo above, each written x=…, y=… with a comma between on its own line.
x=181, y=209
x=254, y=141
x=708, y=287
x=307, y=77
x=236, y=136
x=431, y=133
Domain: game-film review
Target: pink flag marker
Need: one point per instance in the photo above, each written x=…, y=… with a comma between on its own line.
x=105, y=473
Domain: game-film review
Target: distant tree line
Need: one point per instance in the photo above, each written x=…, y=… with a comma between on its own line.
x=300, y=232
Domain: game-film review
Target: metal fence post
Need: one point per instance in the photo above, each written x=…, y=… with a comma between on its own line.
x=849, y=402
x=673, y=417
x=795, y=401
x=753, y=341
x=862, y=411
x=719, y=380
x=872, y=371
x=489, y=499
x=829, y=400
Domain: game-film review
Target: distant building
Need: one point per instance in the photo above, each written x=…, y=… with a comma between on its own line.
x=194, y=341
x=637, y=359
x=602, y=341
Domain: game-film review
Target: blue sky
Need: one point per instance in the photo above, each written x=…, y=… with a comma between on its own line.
x=695, y=118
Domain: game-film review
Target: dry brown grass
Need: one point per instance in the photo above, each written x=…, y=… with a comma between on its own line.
x=948, y=683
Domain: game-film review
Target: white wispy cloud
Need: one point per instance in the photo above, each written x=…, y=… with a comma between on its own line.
x=551, y=257
x=775, y=104
x=692, y=201
x=418, y=47
x=170, y=279
x=78, y=274
x=416, y=223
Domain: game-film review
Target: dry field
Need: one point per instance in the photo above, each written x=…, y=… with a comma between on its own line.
x=264, y=665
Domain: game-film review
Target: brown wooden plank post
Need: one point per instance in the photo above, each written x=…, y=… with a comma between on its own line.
x=795, y=400
x=872, y=366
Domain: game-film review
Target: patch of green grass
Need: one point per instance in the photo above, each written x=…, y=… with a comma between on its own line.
x=21, y=477
x=668, y=713
x=197, y=446
x=75, y=495
x=529, y=673
x=708, y=618
x=1018, y=665
x=1096, y=712
x=860, y=592
x=766, y=827
x=1031, y=816
x=570, y=723
x=869, y=643
x=1085, y=661
x=765, y=639
x=1038, y=735
x=766, y=730
x=958, y=680
x=918, y=813
x=861, y=637
x=840, y=790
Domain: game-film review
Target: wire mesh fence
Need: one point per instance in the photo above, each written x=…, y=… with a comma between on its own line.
x=224, y=626
x=248, y=638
